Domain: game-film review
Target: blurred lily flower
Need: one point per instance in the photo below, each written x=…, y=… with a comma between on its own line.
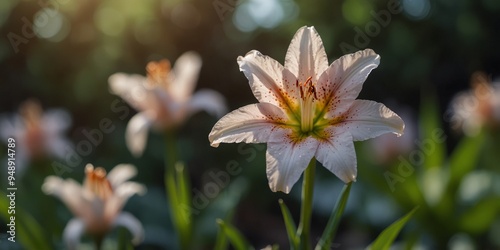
x=477, y=107
x=307, y=109
x=164, y=98
x=98, y=203
x=37, y=134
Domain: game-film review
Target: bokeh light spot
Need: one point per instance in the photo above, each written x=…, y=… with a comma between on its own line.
x=50, y=24
x=267, y=14
x=109, y=21
x=185, y=15
x=416, y=9
x=357, y=12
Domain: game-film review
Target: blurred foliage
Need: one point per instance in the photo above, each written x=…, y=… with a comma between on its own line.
x=429, y=47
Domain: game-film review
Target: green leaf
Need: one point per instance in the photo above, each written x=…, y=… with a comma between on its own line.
x=183, y=188
x=234, y=236
x=291, y=229
x=333, y=223
x=387, y=237
x=479, y=218
x=464, y=158
x=28, y=232
x=431, y=146
x=221, y=242
x=222, y=206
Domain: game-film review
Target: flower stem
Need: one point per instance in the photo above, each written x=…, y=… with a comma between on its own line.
x=306, y=209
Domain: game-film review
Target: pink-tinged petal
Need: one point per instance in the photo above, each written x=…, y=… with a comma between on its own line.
x=208, y=100
x=340, y=85
x=56, y=121
x=70, y=193
x=251, y=124
x=131, y=223
x=337, y=154
x=56, y=145
x=73, y=232
x=121, y=173
x=121, y=194
x=369, y=119
x=182, y=81
x=286, y=159
x=268, y=80
x=131, y=89
x=306, y=56
x=136, y=134
x=7, y=128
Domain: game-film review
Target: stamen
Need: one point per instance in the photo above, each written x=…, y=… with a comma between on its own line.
x=97, y=182
x=31, y=113
x=158, y=72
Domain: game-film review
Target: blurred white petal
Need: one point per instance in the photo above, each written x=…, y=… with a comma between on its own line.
x=184, y=77
x=121, y=173
x=128, y=221
x=136, y=134
x=210, y=101
x=73, y=232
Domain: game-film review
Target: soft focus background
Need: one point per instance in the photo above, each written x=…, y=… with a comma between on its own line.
x=61, y=53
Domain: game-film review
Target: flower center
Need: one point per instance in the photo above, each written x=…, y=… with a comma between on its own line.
x=158, y=72
x=97, y=182
x=31, y=113
x=307, y=107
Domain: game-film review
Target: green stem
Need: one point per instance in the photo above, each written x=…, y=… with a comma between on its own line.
x=180, y=218
x=306, y=208
x=98, y=242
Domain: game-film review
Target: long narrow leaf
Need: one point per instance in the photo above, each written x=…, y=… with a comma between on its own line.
x=333, y=223
x=221, y=242
x=291, y=229
x=432, y=142
x=387, y=237
x=28, y=232
x=234, y=236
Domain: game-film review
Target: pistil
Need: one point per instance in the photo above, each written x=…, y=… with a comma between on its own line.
x=307, y=107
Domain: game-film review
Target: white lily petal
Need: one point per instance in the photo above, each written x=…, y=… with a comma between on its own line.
x=286, y=159
x=121, y=173
x=341, y=83
x=369, y=119
x=55, y=121
x=7, y=128
x=265, y=76
x=184, y=76
x=56, y=145
x=306, y=56
x=73, y=232
x=136, y=134
x=210, y=101
x=128, y=221
x=22, y=159
x=121, y=194
x=131, y=89
x=70, y=193
x=337, y=154
x=251, y=124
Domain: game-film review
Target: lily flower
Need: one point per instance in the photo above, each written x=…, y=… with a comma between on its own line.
x=164, y=98
x=478, y=107
x=97, y=204
x=307, y=109
x=37, y=133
